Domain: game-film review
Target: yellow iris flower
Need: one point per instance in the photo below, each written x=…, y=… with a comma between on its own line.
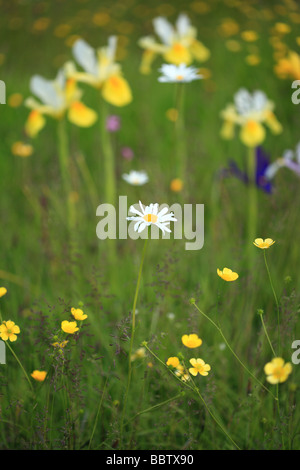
x=178, y=44
x=100, y=71
x=250, y=112
x=57, y=97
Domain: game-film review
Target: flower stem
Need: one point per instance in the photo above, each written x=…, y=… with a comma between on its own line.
x=276, y=301
x=132, y=336
x=20, y=364
x=180, y=133
x=194, y=389
x=213, y=416
x=63, y=152
x=252, y=199
x=232, y=351
x=266, y=333
x=98, y=411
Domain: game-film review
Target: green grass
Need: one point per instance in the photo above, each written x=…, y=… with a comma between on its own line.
x=43, y=284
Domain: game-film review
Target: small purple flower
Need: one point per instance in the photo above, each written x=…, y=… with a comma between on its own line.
x=127, y=153
x=113, y=123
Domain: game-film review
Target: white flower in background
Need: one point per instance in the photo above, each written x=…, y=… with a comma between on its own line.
x=136, y=178
x=150, y=215
x=289, y=160
x=178, y=73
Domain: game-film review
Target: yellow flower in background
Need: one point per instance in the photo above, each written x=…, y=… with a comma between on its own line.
x=289, y=66
x=173, y=361
x=227, y=274
x=78, y=314
x=253, y=59
x=140, y=353
x=282, y=28
x=39, y=375
x=69, y=327
x=100, y=71
x=176, y=185
x=3, y=291
x=249, y=36
x=263, y=244
x=57, y=97
x=199, y=367
x=9, y=330
x=277, y=371
x=181, y=372
x=60, y=345
x=178, y=44
x=250, y=112
x=191, y=341
x=20, y=149
x=15, y=100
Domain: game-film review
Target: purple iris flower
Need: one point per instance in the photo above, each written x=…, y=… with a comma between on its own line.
x=262, y=163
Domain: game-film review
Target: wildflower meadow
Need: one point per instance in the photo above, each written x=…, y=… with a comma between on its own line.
x=150, y=194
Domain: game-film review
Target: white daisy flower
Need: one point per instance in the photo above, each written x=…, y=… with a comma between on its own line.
x=136, y=178
x=150, y=215
x=178, y=73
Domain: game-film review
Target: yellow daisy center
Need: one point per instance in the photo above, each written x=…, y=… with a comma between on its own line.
x=150, y=218
x=179, y=77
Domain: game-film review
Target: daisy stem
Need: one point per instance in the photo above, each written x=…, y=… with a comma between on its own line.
x=20, y=364
x=232, y=351
x=179, y=132
x=132, y=336
x=266, y=333
x=276, y=301
x=252, y=198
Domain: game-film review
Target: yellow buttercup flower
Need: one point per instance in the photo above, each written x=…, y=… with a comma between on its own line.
x=39, y=375
x=178, y=43
x=3, y=291
x=191, y=341
x=181, y=372
x=78, y=314
x=199, y=367
x=227, y=274
x=277, y=371
x=250, y=112
x=173, y=361
x=263, y=244
x=100, y=71
x=69, y=327
x=9, y=330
